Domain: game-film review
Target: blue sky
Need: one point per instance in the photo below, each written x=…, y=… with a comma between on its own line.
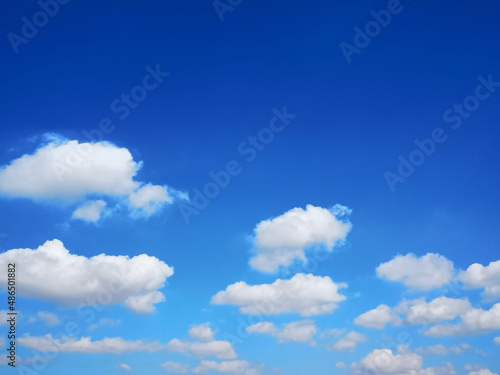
x=251, y=188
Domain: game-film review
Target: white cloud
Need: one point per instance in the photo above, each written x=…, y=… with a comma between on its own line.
x=478, y=276
x=227, y=367
x=280, y=241
x=427, y=272
x=405, y=362
x=300, y=331
x=349, y=341
x=439, y=309
x=377, y=318
x=305, y=294
x=414, y=312
x=3, y=317
x=124, y=366
x=175, y=367
x=474, y=321
x=483, y=371
x=201, y=332
x=442, y=350
x=104, y=322
x=90, y=211
x=340, y=365
x=71, y=172
x=218, y=349
x=115, y=345
x=102, y=279
x=149, y=199
x=496, y=340
x=48, y=318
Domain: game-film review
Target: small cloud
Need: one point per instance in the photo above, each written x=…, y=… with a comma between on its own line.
x=103, y=323
x=340, y=365
x=175, y=367
x=125, y=367
x=48, y=318
x=90, y=211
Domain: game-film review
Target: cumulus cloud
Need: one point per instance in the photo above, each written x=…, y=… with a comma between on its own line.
x=90, y=211
x=48, y=318
x=175, y=367
x=443, y=350
x=73, y=172
x=478, y=276
x=149, y=198
x=304, y=294
x=124, y=366
x=405, y=362
x=115, y=345
x=474, y=321
x=427, y=272
x=3, y=317
x=104, y=322
x=377, y=318
x=300, y=331
x=52, y=273
x=216, y=348
x=483, y=371
x=201, y=332
x=349, y=341
x=280, y=241
x=414, y=312
x=227, y=367
x=439, y=309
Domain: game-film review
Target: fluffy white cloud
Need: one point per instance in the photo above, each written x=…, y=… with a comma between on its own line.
x=300, y=331
x=3, y=317
x=349, y=341
x=439, y=309
x=218, y=349
x=279, y=241
x=405, y=362
x=48, y=318
x=474, y=321
x=483, y=371
x=427, y=272
x=442, y=350
x=70, y=172
x=340, y=365
x=175, y=367
x=124, y=366
x=74, y=279
x=104, y=322
x=377, y=317
x=305, y=294
x=114, y=345
x=414, y=312
x=227, y=367
x=202, y=332
x=149, y=199
x=90, y=211
x=478, y=276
